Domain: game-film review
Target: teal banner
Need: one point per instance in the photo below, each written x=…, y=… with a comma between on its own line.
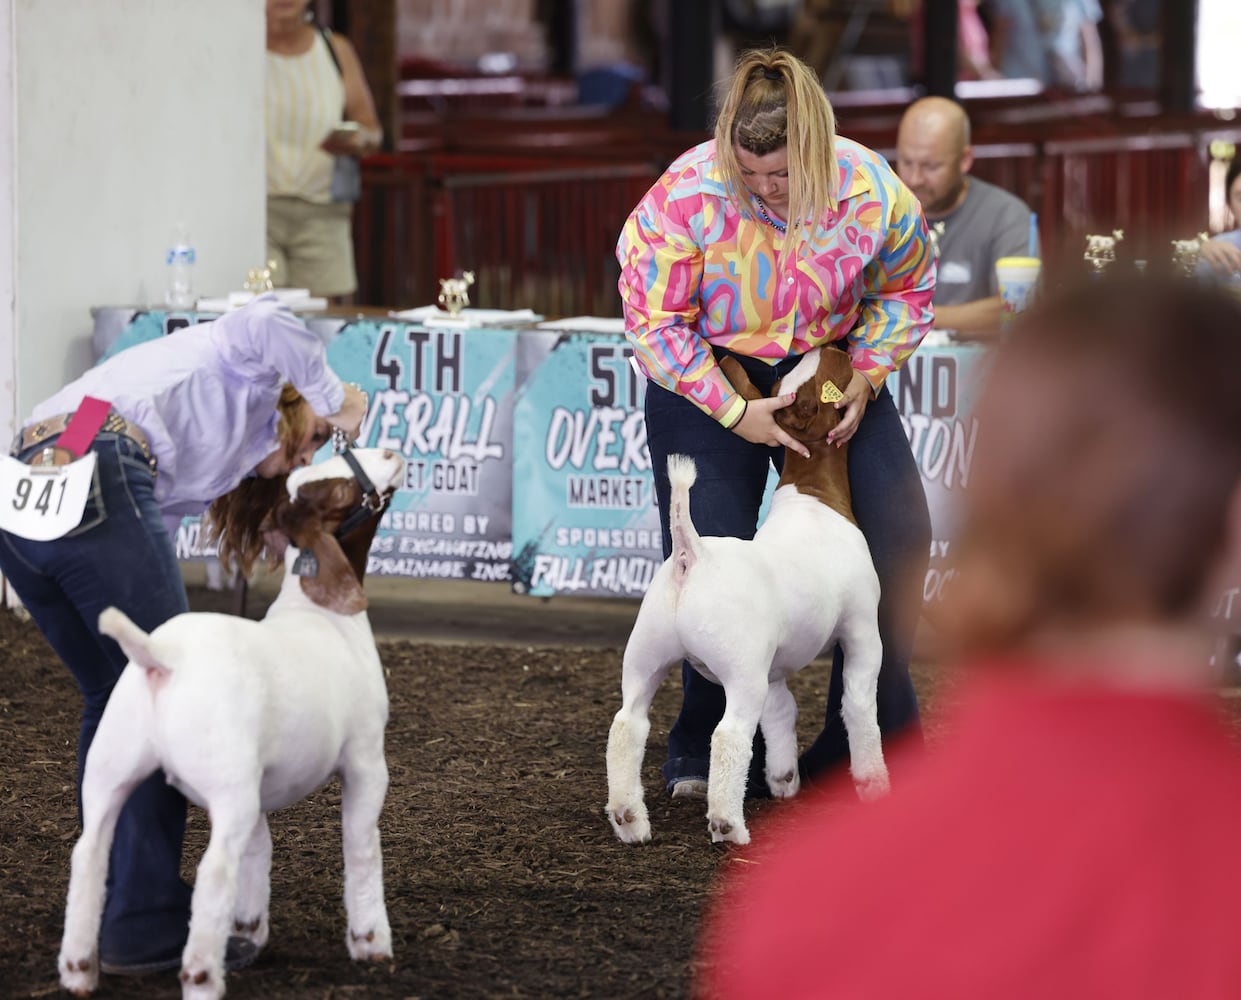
x=935, y=394
x=584, y=517
x=443, y=398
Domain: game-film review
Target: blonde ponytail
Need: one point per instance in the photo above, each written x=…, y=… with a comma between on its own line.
x=774, y=101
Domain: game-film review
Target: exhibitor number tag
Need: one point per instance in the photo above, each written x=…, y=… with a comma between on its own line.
x=44, y=502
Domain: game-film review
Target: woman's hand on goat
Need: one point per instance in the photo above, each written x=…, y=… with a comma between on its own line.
x=854, y=404
x=758, y=424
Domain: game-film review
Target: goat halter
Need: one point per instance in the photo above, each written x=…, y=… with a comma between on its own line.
x=372, y=500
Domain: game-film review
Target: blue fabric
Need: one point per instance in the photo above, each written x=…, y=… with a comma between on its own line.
x=890, y=507
x=120, y=555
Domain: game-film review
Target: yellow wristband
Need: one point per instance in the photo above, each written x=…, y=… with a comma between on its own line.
x=745, y=403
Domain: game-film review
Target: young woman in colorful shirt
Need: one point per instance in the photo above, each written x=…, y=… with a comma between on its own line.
x=773, y=238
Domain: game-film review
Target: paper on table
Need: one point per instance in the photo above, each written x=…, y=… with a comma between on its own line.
x=297, y=299
x=586, y=324
x=432, y=315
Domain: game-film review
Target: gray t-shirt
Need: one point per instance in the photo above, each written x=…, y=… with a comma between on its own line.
x=990, y=224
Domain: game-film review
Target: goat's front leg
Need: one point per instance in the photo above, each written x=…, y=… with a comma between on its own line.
x=364, y=781
x=250, y=915
x=779, y=724
x=732, y=746
x=215, y=890
x=626, y=809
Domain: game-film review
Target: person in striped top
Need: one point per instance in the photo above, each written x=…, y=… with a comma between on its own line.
x=315, y=85
x=773, y=238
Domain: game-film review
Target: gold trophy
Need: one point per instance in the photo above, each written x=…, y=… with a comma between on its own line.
x=1101, y=250
x=1185, y=254
x=455, y=293
x=259, y=279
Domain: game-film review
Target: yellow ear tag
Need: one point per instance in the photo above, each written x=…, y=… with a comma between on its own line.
x=830, y=393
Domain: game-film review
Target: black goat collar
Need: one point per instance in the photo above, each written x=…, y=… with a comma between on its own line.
x=372, y=501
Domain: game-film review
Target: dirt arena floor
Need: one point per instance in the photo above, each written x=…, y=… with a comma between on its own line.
x=503, y=878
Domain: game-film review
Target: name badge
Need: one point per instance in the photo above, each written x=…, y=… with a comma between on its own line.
x=44, y=502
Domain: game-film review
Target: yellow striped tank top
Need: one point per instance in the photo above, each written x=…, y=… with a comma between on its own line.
x=305, y=100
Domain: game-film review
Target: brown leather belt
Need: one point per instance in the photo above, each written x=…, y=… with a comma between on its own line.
x=114, y=423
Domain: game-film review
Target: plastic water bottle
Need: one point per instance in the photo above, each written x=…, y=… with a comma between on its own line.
x=180, y=260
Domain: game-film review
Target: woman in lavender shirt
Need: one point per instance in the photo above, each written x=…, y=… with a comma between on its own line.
x=215, y=414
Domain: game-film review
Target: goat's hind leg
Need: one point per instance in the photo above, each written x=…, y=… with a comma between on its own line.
x=116, y=764
x=250, y=914
x=233, y=813
x=732, y=746
x=863, y=656
x=779, y=724
x=648, y=658
x=364, y=780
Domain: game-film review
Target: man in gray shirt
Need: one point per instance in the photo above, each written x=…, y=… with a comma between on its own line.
x=976, y=223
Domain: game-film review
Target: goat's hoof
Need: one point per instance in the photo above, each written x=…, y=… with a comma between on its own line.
x=723, y=831
x=786, y=786
x=79, y=976
x=872, y=788
x=199, y=978
x=631, y=824
x=374, y=945
x=255, y=931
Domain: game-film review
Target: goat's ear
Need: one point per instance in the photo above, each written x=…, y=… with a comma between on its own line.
x=834, y=367
x=735, y=374
x=334, y=586
x=275, y=539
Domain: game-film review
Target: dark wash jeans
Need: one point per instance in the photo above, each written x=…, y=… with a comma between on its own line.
x=890, y=506
x=120, y=555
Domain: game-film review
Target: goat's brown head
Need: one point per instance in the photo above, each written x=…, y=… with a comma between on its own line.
x=820, y=383
x=320, y=498
x=819, y=380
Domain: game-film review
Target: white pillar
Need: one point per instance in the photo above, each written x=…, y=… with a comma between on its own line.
x=118, y=121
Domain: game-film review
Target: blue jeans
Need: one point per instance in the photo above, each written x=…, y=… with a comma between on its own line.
x=890, y=506
x=120, y=555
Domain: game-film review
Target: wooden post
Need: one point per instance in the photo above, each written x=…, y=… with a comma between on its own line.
x=1178, y=83
x=693, y=26
x=563, y=30
x=939, y=39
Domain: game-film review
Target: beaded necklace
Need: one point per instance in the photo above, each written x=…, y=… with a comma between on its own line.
x=779, y=227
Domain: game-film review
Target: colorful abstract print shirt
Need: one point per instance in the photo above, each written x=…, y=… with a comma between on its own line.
x=697, y=272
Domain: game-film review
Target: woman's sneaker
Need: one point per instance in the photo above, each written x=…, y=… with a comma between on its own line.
x=689, y=788
x=239, y=953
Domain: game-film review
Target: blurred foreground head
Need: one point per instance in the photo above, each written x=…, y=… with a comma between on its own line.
x=1104, y=490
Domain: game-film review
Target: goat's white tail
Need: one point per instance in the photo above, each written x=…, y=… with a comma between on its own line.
x=135, y=643
x=682, y=473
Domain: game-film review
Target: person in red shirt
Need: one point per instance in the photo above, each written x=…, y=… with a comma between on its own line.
x=1074, y=832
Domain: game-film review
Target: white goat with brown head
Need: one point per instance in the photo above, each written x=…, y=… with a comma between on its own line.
x=749, y=614
x=245, y=717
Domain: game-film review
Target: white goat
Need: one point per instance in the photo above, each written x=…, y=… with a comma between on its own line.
x=245, y=717
x=750, y=614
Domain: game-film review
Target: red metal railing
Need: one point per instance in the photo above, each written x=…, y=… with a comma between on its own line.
x=534, y=203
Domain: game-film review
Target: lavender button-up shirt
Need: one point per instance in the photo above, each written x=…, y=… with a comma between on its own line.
x=205, y=397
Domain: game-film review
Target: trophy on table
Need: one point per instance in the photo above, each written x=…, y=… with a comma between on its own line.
x=1101, y=250
x=1185, y=254
x=259, y=279
x=455, y=293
